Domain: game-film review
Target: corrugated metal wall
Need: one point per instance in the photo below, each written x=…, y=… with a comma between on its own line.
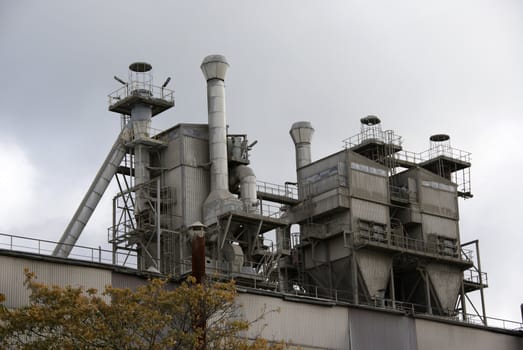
x=434, y=335
x=439, y=202
x=438, y=225
x=370, y=330
x=369, y=186
x=12, y=277
x=196, y=190
x=307, y=325
x=369, y=211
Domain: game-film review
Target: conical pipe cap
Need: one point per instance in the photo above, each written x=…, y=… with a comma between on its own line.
x=301, y=132
x=214, y=67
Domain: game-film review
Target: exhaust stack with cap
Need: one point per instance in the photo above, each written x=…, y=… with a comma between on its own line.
x=301, y=133
x=214, y=68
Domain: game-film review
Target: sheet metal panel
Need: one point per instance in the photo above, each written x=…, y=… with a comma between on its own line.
x=441, y=226
x=370, y=330
x=439, y=202
x=12, y=277
x=172, y=155
x=196, y=189
x=447, y=282
x=436, y=335
x=369, y=211
x=306, y=325
x=173, y=178
x=195, y=151
x=369, y=186
x=320, y=165
x=375, y=269
x=367, y=179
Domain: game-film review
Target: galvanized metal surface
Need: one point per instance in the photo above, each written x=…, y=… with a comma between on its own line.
x=369, y=211
x=440, y=226
x=12, y=277
x=92, y=197
x=307, y=325
x=248, y=188
x=435, y=335
x=310, y=323
x=368, y=186
x=447, y=283
x=301, y=133
x=195, y=150
x=195, y=186
x=214, y=68
x=375, y=269
x=381, y=331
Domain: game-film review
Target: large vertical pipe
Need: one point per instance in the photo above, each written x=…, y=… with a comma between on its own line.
x=214, y=68
x=141, y=121
x=301, y=133
x=197, y=234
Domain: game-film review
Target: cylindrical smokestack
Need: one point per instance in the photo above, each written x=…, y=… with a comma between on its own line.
x=214, y=68
x=301, y=133
x=140, y=81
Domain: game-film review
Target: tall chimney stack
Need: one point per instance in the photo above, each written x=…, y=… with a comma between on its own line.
x=214, y=68
x=301, y=133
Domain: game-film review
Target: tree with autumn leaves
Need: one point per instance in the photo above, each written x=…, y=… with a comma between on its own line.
x=191, y=316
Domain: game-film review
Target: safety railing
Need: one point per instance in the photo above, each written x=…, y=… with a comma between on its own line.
x=223, y=270
x=84, y=253
x=142, y=88
x=374, y=134
x=408, y=156
x=287, y=190
x=408, y=243
x=447, y=151
x=434, y=152
x=270, y=210
x=472, y=275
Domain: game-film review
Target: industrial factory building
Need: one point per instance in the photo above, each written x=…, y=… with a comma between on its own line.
x=361, y=250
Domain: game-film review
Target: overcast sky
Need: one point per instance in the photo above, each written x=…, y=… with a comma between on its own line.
x=423, y=67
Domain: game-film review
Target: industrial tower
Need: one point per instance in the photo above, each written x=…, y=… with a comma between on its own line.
x=371, y=224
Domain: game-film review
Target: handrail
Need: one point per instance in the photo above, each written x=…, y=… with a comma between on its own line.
x=287, y=190
x=79, y=252
x=413, y=244
x=472, y=275
x=129, y=88
x=98, y=255
x=385, y=136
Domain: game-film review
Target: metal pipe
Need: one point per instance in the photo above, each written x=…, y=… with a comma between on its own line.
x=198, y=252
x=141, y=122
x=158, y=226
x=301, y=133
x=248, y=194
x=481, y=284
x=214, y=68
x=92, y=197
x=197, y=234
